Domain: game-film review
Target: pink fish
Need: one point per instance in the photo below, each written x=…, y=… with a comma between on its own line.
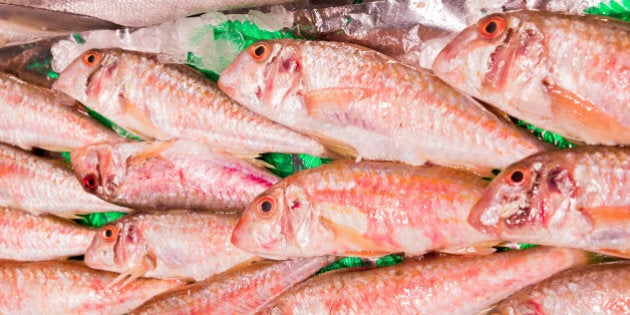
x=364, y=104
x=241, y=291
x=37, y=117
x=27, y=237
x=438, y=285
x=39, y=185
x=565, y=73
x=69, y=287
x=595, y=289
x=178, y=174
x=366, y=209
x=166, y=101
x=569, y=198
x=176, y=244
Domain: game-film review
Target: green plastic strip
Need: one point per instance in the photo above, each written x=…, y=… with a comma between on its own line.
x=618, y=10
x=99, y=219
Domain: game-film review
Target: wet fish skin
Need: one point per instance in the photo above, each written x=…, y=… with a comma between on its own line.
x=363, y=103
x=69, y=287
x=39, y=185
x=177, y=244
x=570, y=198
x=241, y=291
x=177, y=174
x=565, y=73
x=166, y=101
x=366, y=209
x=437, y=285
x=28, y=237
x=37, y=117
x=594, y=289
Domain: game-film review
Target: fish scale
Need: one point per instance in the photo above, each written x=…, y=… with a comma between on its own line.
x=38, y=185
x=69, y=287
x=435, y=285
x=27, y=237
x=594, y=289
x=366, y=209
x=532, y=66
x=573, y=198
x=178, y=244
x=365, y=104
x=37, y=117
x=239, y=291
x=178, y=174
x=166, y=101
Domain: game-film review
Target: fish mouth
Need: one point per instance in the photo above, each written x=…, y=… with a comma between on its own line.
x=227, y=87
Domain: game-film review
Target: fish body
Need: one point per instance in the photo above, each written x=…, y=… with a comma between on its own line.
x=568, y=198
x=166, y=101
x=241, y=291
x=178, y=174
x=594, y=289
x=37, y=117
x=177, y=244
x=564, y=73
x=437, y=285
x=365, y=209
x=38, y=185
x=69, y=287
x=362, y=103
x=27, y=237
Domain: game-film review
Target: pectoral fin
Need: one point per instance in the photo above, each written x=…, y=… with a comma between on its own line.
x=148, y=263
x=142, y=125
x=331, y=101
x=151, y=152
x=351, y=238
x=608, y=217
x=584, y=119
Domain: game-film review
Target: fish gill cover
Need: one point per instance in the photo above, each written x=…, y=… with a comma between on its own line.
x=244, y=33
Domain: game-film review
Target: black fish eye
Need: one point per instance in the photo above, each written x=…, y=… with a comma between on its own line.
x=491, y=27
x=260, y=50
x=265, y=206
x=517, y=176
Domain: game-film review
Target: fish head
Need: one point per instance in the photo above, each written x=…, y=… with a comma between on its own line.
x=266, y=78
x=85, y=79
x=118, y=247
x=277, y=224
x=498, y=59
x=527, y=202
x=99, y=170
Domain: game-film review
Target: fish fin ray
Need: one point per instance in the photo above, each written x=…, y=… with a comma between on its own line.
x=350, y=237
x=605, y=216
x=148, y=128
x=578, y=113
x=139, y=270
x=151, y=152
x=344, y=150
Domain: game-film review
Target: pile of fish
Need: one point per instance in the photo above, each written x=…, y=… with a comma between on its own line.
x=210, y=230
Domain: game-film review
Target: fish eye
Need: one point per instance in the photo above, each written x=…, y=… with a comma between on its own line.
x=91, y=58
x=260, y=51
x=518, y=177
x=492, y=27
x=90, y=181
x=109, y=233
x=265, y=205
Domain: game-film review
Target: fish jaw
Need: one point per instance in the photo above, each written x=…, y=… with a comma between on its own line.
x=121, y=251
x=97, y=169
x=283, y=234
x=269, y=87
